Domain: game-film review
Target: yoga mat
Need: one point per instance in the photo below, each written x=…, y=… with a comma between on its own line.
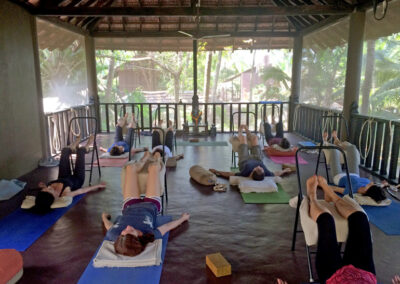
x=280, y=197
x=235, y=169
x=385, y=218
x=117, y=163
x=287, y=160
x=143, y=275
x=306, y=144
x=202, y=143
x=22, y=228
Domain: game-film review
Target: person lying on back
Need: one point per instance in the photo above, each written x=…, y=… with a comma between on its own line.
x=250, y=164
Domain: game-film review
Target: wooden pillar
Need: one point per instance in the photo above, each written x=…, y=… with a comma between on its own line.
x=296, y=77
x=91, y=75
x=354, y=64
x=44, y=131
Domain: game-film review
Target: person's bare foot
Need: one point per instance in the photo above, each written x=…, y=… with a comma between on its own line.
x=122, y=120
x=179, y=157
x=74, y=145
x=89, y=143
x=329, y=194
x=312, y=184
x=325, y=136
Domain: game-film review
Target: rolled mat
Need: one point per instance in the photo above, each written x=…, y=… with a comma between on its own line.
x=385, y=218
x=116, y=163
x=20, y=229
x=287, y=160
x=280, y=197
x=147, y=274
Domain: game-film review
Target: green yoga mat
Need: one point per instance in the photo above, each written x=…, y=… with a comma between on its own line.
x=202, y=143
x=234, y=169
x=280, y=197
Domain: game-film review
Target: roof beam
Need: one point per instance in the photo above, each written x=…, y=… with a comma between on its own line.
x=185, y=11
x=201, y=34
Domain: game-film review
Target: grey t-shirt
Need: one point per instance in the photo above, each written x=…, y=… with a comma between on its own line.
x=141, y=216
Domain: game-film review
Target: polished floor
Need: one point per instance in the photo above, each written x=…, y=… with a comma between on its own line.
x=255, y=239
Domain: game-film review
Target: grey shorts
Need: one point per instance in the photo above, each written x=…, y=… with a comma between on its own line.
x=244, y=155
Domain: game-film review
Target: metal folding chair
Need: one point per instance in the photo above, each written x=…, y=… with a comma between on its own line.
x=89, y=124
x=157, y=116
x=300, y=195
x=232, y=128
x=164, y=161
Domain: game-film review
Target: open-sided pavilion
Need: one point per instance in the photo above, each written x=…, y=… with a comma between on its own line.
x=163, y=25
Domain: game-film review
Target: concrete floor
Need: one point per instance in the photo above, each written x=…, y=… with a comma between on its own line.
x=255, y=239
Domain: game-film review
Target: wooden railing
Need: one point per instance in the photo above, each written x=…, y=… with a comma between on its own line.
x=219, y=114
x=383, y=144
x=58, y=123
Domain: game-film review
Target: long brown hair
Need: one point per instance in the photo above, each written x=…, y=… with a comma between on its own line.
x=131, y=245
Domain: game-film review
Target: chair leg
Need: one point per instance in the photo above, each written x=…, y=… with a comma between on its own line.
x=91, y=166
x=97, y=156
x=165, y=187
x=296, y=222
x=310, y=272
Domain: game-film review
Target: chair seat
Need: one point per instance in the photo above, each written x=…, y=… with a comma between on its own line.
x=310, y=227
x=11, y=266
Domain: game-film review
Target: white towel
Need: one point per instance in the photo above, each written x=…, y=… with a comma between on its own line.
x=106, y=256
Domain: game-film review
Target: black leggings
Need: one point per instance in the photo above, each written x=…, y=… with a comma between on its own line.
x=358, y=251
x=77, y=178
x=268, y=131
x=156, y=139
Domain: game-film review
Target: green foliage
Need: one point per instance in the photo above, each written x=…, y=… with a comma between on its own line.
x=323, y=76
x=60, y=68
x=385, y=95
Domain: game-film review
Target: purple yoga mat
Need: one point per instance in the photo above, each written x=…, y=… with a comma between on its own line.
x=287, y=160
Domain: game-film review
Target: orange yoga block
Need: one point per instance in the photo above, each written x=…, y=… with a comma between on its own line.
x=11, y=266
x=218, y=264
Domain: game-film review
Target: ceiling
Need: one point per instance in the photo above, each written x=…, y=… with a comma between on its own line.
x=165, y=25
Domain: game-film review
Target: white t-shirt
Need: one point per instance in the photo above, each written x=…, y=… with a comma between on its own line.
x=167, y=151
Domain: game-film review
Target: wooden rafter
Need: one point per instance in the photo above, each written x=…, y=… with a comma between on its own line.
x=200, y=34
x=201, y=11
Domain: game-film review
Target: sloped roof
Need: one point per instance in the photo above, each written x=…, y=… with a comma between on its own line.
x=162, y=25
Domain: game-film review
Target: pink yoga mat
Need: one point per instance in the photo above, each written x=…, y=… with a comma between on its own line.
x=287, y=160
x=117, y=163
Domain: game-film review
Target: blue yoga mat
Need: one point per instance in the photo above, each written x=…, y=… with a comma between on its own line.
x=306, y=144
x=142, y=275
x=20, y=229
x=385, y=218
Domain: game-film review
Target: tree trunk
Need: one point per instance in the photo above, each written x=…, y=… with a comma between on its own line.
x=252, y=76
x=207, y=73
x=110, y=78
x=216, y=76
x=368, y=75
x=176, y=86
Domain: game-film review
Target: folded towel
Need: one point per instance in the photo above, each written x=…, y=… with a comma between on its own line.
x=106, y=256
x=247, y=185
x=9, y=188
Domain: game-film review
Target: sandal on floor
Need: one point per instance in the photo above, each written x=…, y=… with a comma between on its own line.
x=220, y=187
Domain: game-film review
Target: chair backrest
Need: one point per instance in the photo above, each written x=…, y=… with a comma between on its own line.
x=276, y=106
x=320, y=149
x=332, y=122
x=87, y=126
x=157, y=114
x=239, y=113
